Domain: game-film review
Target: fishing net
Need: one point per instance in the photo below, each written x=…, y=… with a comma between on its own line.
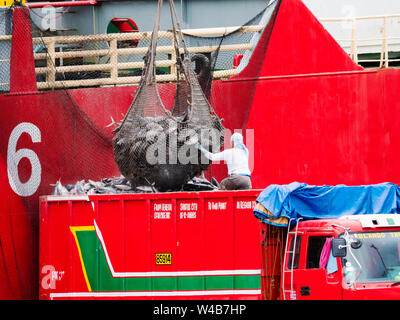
x=159, y=146
x=173, y=108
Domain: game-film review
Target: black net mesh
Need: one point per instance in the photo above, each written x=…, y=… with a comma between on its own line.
x=172, y=107
x=64, y=119
x=221, y=56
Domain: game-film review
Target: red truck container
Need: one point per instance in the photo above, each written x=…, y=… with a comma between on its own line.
x=183, y=245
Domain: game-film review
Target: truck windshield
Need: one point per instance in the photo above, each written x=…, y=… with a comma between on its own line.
x=379, y=257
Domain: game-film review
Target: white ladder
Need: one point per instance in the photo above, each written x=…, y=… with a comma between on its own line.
x=291, y=292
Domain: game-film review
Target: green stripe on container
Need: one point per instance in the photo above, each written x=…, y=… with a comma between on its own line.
x=100, y=277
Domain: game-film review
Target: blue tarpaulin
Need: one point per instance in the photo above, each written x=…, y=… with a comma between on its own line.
x=320, y=202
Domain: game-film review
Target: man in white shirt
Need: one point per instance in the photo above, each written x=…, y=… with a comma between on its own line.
x=237, y=159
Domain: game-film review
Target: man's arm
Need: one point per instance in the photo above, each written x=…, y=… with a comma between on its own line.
x=219, y=156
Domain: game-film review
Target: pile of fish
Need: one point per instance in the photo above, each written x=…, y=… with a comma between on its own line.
x=119, y=185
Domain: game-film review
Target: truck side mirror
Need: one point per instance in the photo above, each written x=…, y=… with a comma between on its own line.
x=339, y=249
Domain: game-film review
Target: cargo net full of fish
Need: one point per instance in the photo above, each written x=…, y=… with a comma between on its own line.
x=157, y=146
x=157, y=142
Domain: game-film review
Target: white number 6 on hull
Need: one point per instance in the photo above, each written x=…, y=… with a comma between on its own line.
x=14, y=156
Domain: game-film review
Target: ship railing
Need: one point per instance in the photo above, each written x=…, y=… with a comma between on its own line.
x=4, y=64
x=106, y=58
x=372, y=40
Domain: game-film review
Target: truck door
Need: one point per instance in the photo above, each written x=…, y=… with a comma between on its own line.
x=310, y=282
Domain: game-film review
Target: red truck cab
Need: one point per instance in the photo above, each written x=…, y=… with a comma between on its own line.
x=368, y=269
